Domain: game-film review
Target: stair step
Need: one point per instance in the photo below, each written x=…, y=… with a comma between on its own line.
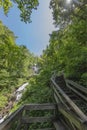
x=37, y=119
x=45, y=129
x=44, y=106
x=59, y=125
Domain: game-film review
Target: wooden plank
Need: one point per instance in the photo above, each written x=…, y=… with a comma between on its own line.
x=71, y=103
x=17, y=114
x=37, y=119
x=10, y=119
x=72, y=118
x=79, y=87
x=77, y=92
x=45, y=129
x=45, y=106
x=57, y=95
x=59, y=125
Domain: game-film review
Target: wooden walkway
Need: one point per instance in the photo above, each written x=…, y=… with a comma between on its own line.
x=22, y=120
x=69, y=112
x=73, y=102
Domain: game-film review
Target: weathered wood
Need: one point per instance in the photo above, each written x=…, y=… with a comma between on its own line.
x=69, y=116
x=77, y=92
x=73, y=114
x=6, y=125
x=16, y=116
x=71, y=103
x=45, y=129
x=79, y=87
x=37, y=119
x=57, y=96
x=72, y=118
x=44, y=106
x=59, y=125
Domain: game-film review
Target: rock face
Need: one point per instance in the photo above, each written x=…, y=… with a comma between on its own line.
x=19, y=91
x=15, y=98
x=35, y=68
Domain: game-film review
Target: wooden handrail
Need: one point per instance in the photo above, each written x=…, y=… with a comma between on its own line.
x=79, y=87
x=72, y=114
x=20, y=114
x=10, y=119
x=82, y=95
x=70, y=102
x=17, y=115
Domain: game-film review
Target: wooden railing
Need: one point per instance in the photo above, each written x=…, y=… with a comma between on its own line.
x=11, y=120
x=72, y=114
x=21, y=118
x=65, y=114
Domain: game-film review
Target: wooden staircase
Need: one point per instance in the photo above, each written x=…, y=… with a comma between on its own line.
x=69, y=112
x=22, y=120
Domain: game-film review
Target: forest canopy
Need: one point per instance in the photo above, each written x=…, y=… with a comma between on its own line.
x=15, y=63
x=25, y=7
x=66, y=52
x=63, y=10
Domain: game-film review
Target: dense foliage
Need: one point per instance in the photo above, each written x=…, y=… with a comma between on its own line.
x=67, y=51
x=65, y=10
x=25, y=7
x=15, y=64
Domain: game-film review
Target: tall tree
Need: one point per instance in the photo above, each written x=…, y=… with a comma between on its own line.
x=65, y=10
x=14, y=64
x=67, y=51
x=14, y=59
x=25, y=7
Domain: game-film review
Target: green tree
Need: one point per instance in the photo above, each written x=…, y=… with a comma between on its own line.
x=25, y=7
x=63, y=12
x=14, y=63
x=67, y=51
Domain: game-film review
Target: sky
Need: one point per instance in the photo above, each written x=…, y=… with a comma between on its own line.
x=34, y=35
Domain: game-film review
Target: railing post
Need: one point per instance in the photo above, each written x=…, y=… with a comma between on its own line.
x=19, y=123
x=26, y=126
x=10, y=122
